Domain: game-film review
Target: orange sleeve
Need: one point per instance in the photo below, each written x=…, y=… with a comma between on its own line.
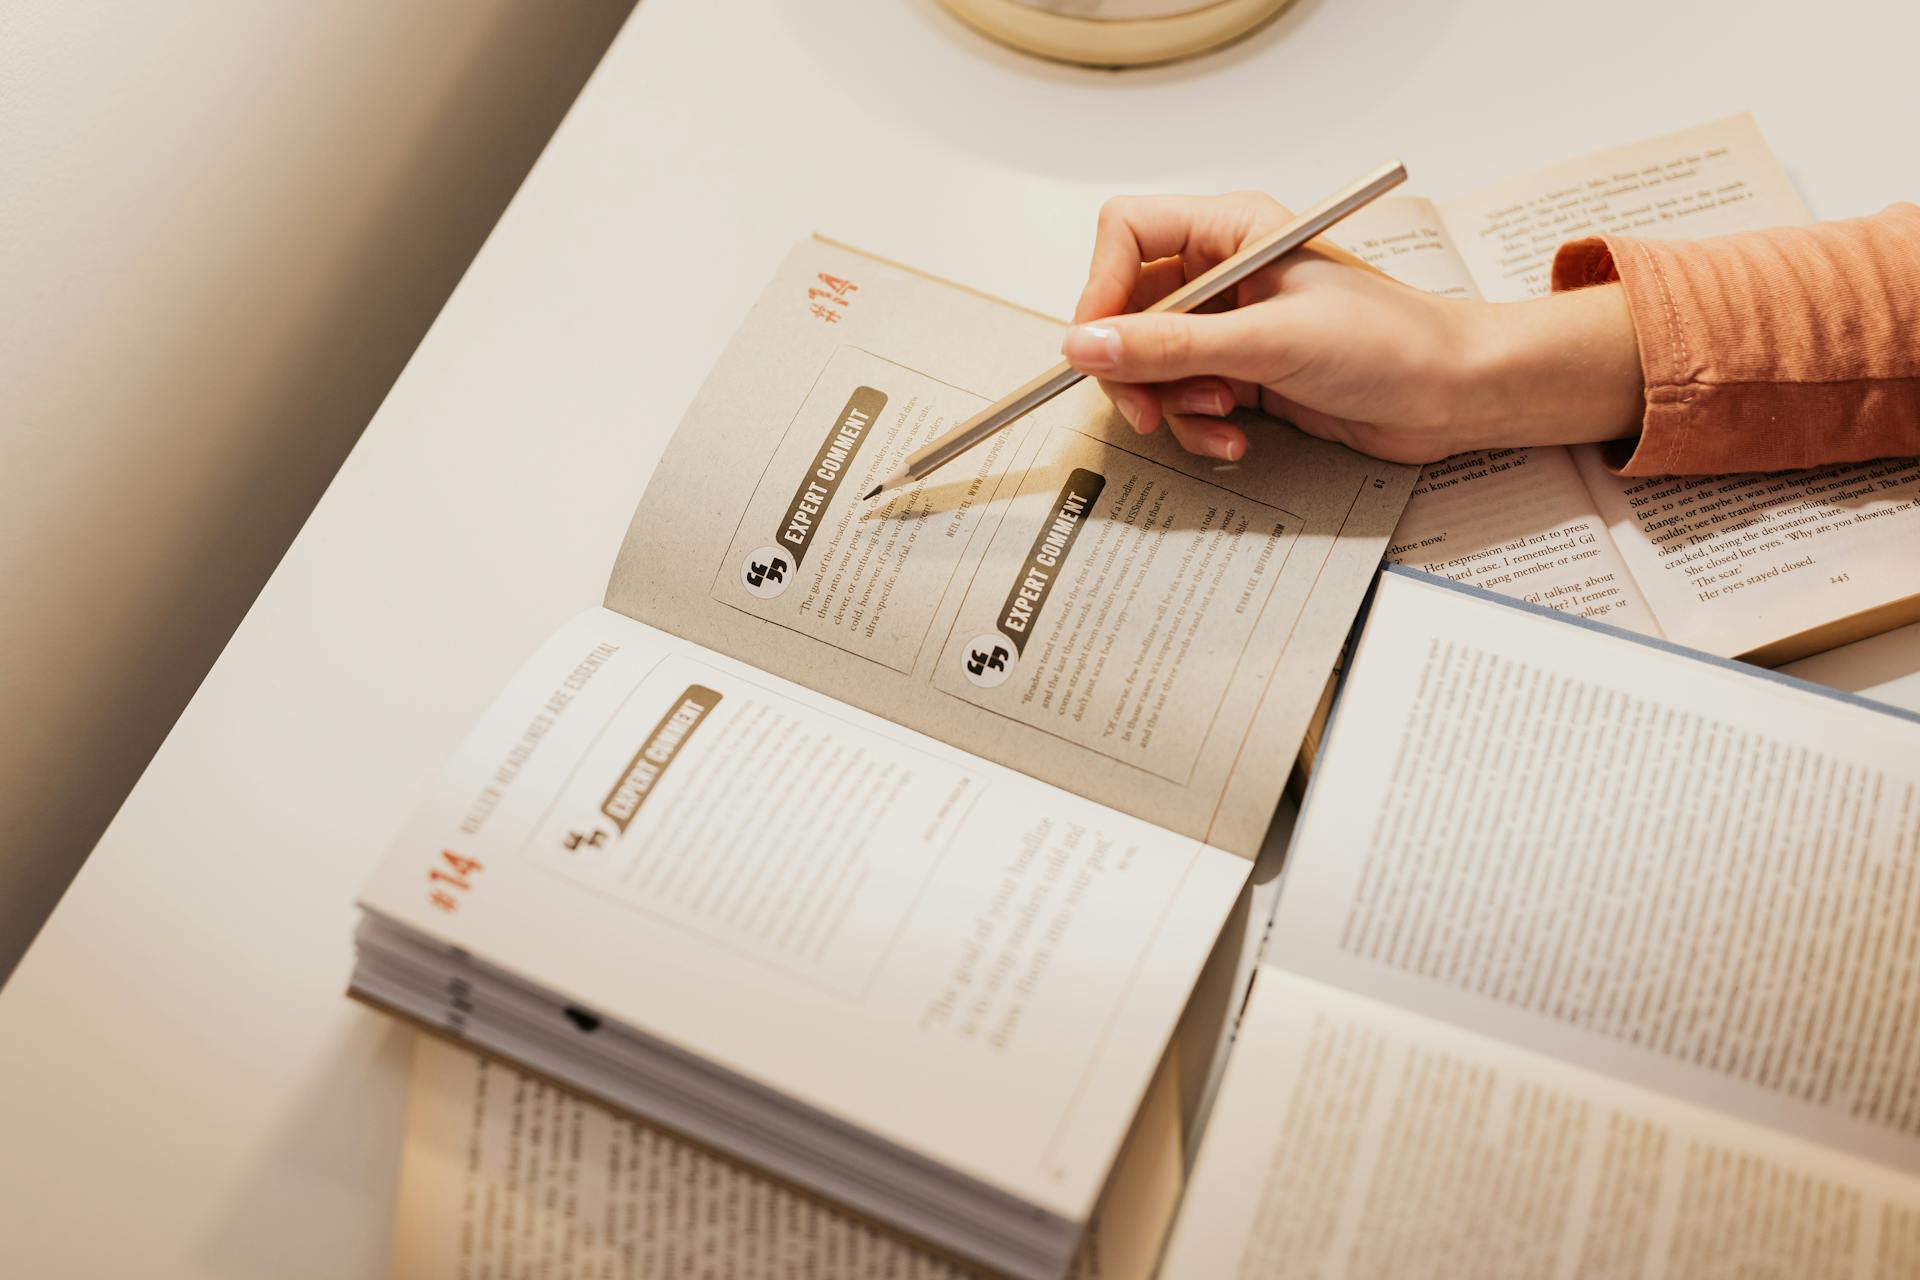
x=1769, y=350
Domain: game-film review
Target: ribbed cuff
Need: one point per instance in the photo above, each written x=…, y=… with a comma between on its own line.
x=1666, y=361
x=1768, y=350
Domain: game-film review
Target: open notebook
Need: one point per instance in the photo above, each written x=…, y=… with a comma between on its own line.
x=1595, y=956
x=1766, y=567
x=880, y=846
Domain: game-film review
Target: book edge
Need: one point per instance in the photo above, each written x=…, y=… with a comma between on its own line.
x=1740, y=665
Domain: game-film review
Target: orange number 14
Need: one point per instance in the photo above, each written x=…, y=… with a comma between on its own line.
x=460, y=878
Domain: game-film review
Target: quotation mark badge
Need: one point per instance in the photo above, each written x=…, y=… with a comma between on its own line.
x=988, y=660
x=765, y=572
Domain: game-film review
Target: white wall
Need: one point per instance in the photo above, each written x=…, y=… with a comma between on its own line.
x=224, y=225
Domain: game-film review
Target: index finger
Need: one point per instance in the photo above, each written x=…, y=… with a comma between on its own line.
x=1135, y=230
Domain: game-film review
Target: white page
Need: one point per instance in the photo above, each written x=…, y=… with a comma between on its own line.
x=1354, y=1139
x=505, y=1177
x=1709, y=180
x=1735, y=563
x=1405, y=237
x=1517, y=521
x=1727, y=563
x=1685, y=874
x=1522, y=523
x=954, y=958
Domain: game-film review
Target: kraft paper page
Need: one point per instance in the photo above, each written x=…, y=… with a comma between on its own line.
x=1091, y=607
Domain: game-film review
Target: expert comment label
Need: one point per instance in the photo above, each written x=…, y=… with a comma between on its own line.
x=1115, y=603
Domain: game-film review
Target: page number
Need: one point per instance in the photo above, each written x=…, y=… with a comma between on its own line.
x=443, y=882
x=827, y=299
x=1837, y=579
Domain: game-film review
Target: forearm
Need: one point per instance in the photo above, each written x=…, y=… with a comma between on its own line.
x=1762, y=351
x=1563, y=369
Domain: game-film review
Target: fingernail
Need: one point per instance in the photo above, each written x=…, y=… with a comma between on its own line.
x=1093, y=347
x=1224, y=445
x=1211, y=401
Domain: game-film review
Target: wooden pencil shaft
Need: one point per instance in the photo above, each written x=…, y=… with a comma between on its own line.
x=990, y=420
x=1201, y=289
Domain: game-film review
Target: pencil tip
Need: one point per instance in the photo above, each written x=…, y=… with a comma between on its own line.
x=872, y=493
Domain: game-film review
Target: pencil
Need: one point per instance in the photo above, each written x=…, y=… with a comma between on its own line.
x=1262, y=253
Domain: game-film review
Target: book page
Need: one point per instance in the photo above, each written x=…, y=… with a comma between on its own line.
x=914, y=944
x=506, y=1177
x=1516, y=521
x=1885, y=668
x=1709, y=180
x=1729, y=564
x=1405, y=237
x=1742, y=565
x=1520, y=522
x=1354, y=1139
x=1691, y=875
x=1091, y=607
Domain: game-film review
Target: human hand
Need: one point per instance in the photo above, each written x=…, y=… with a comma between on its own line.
x=1338, y=349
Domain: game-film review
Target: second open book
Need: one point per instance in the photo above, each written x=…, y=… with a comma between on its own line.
x=1594, y=957
x=1767, y=567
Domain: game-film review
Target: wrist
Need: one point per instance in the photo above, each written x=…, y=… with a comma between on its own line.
x=1563, y=369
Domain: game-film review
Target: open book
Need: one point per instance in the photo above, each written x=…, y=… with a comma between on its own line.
x=1766, y=567
x=1595, y=956
x=880, y=847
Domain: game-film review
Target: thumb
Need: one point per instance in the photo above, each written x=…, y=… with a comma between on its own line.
x=1161, y=347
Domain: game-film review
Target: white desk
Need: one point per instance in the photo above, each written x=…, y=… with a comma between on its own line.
x=184, y=1091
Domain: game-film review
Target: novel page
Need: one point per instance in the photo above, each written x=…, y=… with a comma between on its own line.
x=505, y=1177
x=1086, y=605
x=1517, y=521
x=934, y=951
x=1692, y=876
x=1709, y=180
x=1770, y=566
x=1729, y=564
x=1354, y=1139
